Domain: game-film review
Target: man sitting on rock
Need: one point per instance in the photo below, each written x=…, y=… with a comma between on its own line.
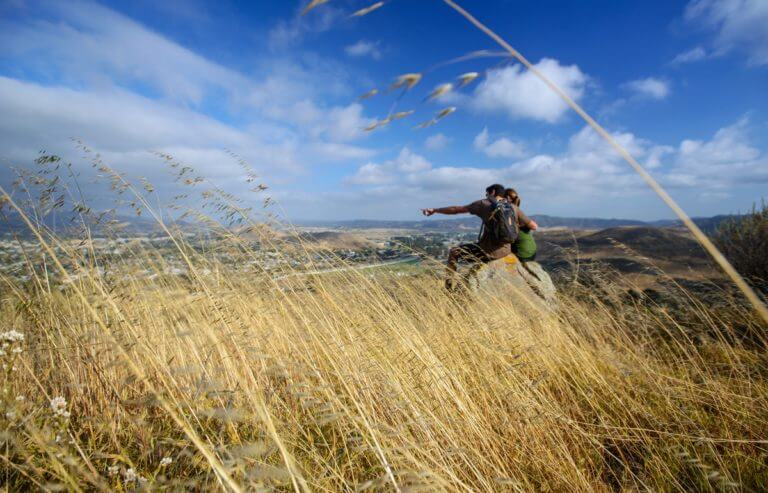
x=491, y=244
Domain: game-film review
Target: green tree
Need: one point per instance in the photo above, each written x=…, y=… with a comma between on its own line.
x=744, y=242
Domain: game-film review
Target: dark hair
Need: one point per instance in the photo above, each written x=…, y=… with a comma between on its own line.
x=512, y=196
x=495, y=189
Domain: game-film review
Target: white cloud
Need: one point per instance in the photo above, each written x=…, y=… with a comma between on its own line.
x=589, y=169
x=501, y=147
x=37, y=117
x=436, y=142
x=87, y=41
x=335, y=152
x=102, y=55
x=86, y=44
x=693, y=55
x=726, y=160
x=336, y=123
x=126, y=127
x=518, y=93
x=737, y=25
x=650, y=87
x=364, y=48
x=372, y=174
x=288, y=33
x=405, y=164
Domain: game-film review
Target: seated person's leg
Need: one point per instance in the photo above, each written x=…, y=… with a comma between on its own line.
x=469, y=252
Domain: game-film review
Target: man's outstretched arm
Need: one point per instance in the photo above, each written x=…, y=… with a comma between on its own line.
x=454, y=209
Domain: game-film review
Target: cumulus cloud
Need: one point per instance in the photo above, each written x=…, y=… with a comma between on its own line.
x=518, y=93
x=364, y=48
x=501, y=147
x=317, y=121
x=728, y=159
x=589, y=168
x=649, y=87
x=436, y=142
x=405, y=164
x=693, y=55
x=736, y=24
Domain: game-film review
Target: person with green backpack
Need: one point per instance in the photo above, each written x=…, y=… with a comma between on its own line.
x=525, y=250
x=501, y=222
x=525, y=246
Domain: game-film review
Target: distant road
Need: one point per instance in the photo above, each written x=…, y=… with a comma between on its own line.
x=404, y=260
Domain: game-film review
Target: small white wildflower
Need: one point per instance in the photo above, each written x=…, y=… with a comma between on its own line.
x=142, y=480
x=10, y=414
x=113, y=470
x=130, y=475
x=17, y=350
x=58, y=403
x=59, y=407
x=12, y=336
x=20, y=398
x=166, y=461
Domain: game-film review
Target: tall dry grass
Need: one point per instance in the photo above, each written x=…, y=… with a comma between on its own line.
x=224, y=379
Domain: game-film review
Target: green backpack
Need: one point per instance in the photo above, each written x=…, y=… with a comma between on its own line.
x=525, y=246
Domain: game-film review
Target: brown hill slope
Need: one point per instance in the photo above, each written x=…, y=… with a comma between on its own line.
x=633, y=250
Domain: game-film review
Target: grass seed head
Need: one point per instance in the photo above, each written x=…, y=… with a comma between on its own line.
x=466, y=79
x=440, y=90
x=401, y=114
x=445, y=112
x=407, y=81
x=312, y=5
x=368, y=94
x=368, y=10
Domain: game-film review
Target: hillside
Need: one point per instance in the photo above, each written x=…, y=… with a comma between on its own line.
x=464, y=223
x=644, y=255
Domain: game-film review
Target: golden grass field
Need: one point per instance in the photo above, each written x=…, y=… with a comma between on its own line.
x=120, y=374
x=220, y=380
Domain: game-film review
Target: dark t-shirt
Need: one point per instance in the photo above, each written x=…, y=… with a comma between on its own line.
x=495, y=250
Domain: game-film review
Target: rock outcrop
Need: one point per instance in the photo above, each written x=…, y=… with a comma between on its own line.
x=508, y=277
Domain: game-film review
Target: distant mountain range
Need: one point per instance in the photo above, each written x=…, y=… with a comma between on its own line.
x=544, y=221
x=64, y=222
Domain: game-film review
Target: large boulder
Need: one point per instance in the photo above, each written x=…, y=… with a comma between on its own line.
x=512, y=279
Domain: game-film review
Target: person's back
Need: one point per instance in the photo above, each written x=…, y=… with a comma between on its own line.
x=493, y=247
x=488, y=247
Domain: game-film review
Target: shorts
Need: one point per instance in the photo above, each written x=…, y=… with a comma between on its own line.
x=471, y=252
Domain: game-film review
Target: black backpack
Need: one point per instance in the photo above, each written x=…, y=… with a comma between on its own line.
x=501, y=226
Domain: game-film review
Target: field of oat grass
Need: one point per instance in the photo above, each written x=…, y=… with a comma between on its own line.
x=145, y=369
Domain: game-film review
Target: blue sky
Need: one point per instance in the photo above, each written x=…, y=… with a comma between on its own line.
x=682, y=84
